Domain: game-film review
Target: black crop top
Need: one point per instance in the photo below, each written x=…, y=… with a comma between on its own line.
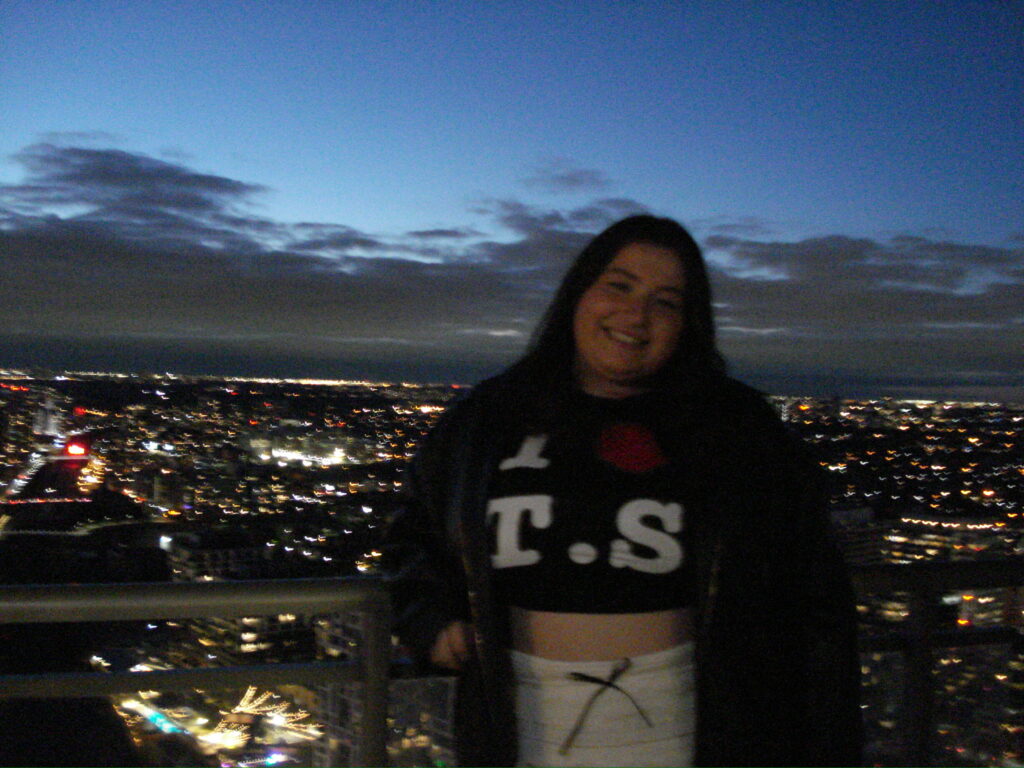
x=591, y=519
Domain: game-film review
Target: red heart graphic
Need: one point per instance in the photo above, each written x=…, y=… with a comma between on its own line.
x=630, y=447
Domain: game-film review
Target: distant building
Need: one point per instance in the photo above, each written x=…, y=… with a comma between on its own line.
x=860, y=538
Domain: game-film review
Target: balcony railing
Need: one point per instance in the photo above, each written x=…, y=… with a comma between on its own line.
x=921, y=633
x=226, y=599
x=916, y=637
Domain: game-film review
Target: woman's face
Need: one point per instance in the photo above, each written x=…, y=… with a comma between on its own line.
x=628, y=323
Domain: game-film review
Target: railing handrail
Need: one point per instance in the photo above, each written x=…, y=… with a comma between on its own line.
x=34, y=604
x=54, y=685
x=187, y=599
x=1006, y=571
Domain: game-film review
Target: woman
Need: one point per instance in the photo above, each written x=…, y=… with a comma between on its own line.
x=619, y=547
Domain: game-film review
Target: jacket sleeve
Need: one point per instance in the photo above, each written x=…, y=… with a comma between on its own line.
x=791, y=583
x=824, y=611
x=835, y=726
x=832, y=672
x=421, y=555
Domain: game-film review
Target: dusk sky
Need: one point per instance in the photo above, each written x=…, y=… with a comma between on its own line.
x=393, y=189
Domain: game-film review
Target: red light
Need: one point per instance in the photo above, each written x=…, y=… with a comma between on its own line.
x=76, y=449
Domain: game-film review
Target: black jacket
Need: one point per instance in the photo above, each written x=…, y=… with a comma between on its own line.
x=777, y=669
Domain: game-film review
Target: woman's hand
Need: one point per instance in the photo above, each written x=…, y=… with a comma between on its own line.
x=453, y=645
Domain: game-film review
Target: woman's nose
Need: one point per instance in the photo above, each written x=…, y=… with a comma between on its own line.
x=637, y=307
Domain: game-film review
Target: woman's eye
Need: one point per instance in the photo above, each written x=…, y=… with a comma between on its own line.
x=617, y=285
x=673, y=304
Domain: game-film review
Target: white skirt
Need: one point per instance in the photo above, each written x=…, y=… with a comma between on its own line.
x=638, y=711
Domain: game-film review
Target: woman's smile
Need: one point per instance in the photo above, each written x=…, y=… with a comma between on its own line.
x=625, y=338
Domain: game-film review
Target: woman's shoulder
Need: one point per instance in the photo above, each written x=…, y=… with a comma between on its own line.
x=472, y=409
x=739, y=415
x=730, y=402
x=502, y=400
x=472, y=402
x=733, y=390
x=724, y=401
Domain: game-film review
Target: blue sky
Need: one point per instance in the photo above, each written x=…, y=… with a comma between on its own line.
x=322, y=187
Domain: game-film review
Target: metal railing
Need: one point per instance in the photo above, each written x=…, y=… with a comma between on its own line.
x=916, y=637
x=921, y=633
x=226, y=599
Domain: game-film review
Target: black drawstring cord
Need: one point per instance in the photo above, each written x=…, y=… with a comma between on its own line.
x=604, y=685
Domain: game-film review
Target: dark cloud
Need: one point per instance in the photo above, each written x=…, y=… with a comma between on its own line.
x=174, y=153
x=601, y=213
x=909, y=307
x=112, y=247
x=528, y=220
x=339, y=239
x=904, y=262
x=545, y=240
x=105, y=252
x=130, y=195
x=742, y=226
x=521, y=218
x=77, y=138
x=443, y=234
x=562, y=175
x=116, y=179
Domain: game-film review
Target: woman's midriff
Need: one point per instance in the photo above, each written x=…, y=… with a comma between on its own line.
x=597, y=636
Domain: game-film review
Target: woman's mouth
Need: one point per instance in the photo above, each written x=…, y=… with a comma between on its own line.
x=625, y=338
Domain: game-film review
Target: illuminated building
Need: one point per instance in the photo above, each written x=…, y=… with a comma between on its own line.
x=922, y=537
x=321, y=448
x=49, y=420
x=215, y=554
x=232, y=554
x=420, y=709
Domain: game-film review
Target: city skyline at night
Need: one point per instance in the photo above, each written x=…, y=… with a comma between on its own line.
x=157, y=478
x=392, y=190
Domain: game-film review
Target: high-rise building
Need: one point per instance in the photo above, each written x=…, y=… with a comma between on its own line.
x=49, y=419
x=420, y=709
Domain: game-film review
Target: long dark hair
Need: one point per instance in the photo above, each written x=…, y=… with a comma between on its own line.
x=548, y=361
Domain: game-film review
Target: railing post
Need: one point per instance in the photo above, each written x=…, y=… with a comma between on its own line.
x=919, y=684
x=376, y=659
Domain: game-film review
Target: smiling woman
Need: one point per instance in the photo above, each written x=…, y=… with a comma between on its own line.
x=620, y=549
x=627, y=324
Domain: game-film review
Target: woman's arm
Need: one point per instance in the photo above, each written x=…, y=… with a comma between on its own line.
x=422, y=558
